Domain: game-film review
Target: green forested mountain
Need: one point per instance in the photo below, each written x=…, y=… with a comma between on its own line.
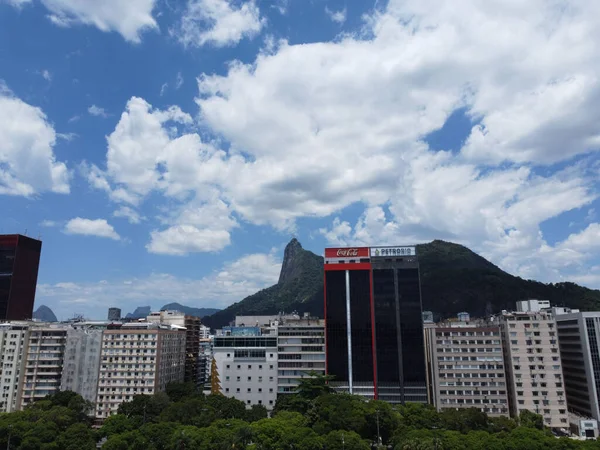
x=453, y=279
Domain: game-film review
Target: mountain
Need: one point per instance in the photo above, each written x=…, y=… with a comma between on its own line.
x=300, y=288
x=44, y=314
x=141, y=312
x=188, y=310
x=453, y=279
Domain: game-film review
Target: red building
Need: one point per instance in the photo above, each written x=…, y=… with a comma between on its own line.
x=19, y=263
x=373, y=320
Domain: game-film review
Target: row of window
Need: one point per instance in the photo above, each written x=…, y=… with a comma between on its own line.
x=260, y=379
x=239, y=366
x=470, y=392
x=537, y=393
x=467, y=333
x=249, y=390
x=471, y=375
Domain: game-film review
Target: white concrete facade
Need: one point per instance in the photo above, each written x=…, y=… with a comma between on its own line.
x=534, y=366
x=467, y=368
x=137, y=358
x=13, y=345
x=247, y=368
x=532, y=305
x=44, y=359
x=301, y=345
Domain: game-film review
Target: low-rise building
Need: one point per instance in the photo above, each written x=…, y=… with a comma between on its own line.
x=138, y=358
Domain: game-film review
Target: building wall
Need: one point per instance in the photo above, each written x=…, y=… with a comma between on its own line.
x=43, y=364
x=534, y=367
x=137, y=361
x=467, y=368
x=82, y=362
x=247, y=368
x=301, y=348
x=578, y=336
x=19, y=263
x=14, y=340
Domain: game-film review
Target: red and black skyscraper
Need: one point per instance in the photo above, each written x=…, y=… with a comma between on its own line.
x=374, y=326
x=19, y=263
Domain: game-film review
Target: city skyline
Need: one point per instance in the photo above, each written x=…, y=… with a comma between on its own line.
x=154, y=167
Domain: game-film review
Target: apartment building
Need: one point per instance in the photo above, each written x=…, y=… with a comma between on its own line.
x=301, y=350
x=14, y=338
x=191, y=324
x=578, y=336
x=44, y=358
x=82, y=359
x=205, y=360
x=138, y=358
x=247, y=367
x=466, y=367
x=534, y=366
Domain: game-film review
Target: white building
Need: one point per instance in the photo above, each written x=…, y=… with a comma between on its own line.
x=138, y=358
x=204, y=332
x=466, y=366
x=301, y=345
x=14, y=339
x=578, y=336
x=532, y=305
x=44, y=358
x=82, y=359
x=247, y=368
x=534, y=366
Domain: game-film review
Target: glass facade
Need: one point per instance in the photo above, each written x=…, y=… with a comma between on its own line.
x=337, y=329
x=19, y=261
x=386, y=330
x=360, y=316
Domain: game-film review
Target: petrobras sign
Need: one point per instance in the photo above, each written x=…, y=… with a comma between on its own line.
x=393, y=251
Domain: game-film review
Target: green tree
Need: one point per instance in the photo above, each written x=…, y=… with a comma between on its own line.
x=257, y=412
x=225, y=407
x=314, y=385
x=145, y=407
x=77, y=437
x=117, y=424
x=531, y=420
x=345, y=440
x=181, y=391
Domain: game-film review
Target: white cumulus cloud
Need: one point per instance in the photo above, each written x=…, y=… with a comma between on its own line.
x=97, y=111
x=336, y=16
x=129, y=18
x=218, y=22
x=28, y=164
x=91, y=227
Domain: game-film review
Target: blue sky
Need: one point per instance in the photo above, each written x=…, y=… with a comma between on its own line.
x=168, y=150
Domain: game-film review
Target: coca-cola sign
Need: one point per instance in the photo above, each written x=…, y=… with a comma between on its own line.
x=352, y=252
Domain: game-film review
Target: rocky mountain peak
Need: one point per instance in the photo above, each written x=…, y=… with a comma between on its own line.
x=290, y=267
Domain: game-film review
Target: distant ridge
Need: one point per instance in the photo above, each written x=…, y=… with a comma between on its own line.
x=453, y=279
x=44, y=314
x=142, y=312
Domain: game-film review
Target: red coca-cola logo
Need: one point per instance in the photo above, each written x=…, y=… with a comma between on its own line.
x=357, y=252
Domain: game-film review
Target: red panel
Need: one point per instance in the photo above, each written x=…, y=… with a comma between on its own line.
x=9, y=240
x=348, y=266
x=325, y=320
x=373, y=335
x=348, y=252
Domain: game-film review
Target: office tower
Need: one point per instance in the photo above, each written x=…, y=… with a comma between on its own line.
x=246, y=366
x=138, y=358
x=14, y=339
x=44, y=359
x=301, y=344
x=466, y=366
x=534, y=367
x=81, y=364
x=578, y=336
x=114, y=314
x=191, y=324
x=19, y=262
x=374, y=325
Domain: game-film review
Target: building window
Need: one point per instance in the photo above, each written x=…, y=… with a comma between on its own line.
x=249, y=389
x=248, y=401
x=226, y=389
x=229, y=355
x=249, y=367
x=259, y=389
x=249, y=378
x=260, y=367
x=271, y=367
x=237, y=390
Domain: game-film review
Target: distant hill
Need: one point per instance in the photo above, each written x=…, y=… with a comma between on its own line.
x=453, y=279
x=188, y=310
x=44, y=314
x=143, y=311
x=139, y=313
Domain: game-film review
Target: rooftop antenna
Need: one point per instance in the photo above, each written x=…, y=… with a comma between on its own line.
x=25, y=231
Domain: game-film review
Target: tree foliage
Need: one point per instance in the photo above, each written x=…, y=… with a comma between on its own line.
x=185, y=419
